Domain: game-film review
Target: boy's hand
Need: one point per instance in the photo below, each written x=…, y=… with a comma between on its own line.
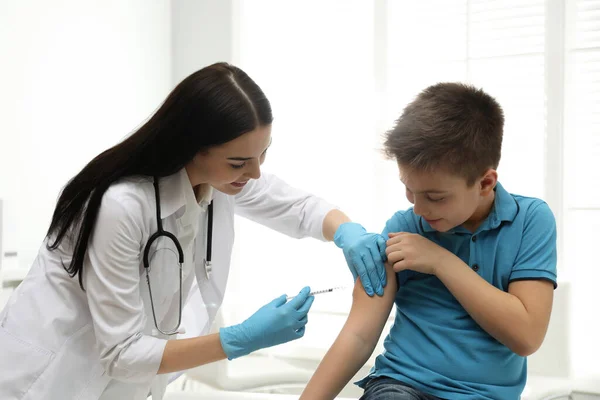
x=414, y=252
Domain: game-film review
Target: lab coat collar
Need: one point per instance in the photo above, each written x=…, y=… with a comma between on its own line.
x=176, y=193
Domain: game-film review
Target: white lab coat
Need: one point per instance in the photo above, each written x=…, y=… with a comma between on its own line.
x=58, y=342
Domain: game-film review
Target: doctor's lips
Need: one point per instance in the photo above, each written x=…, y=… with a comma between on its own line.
x=432, y=221
x=239, y=184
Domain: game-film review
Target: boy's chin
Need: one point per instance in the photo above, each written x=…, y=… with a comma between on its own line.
x=439, y=225
x=444, y=227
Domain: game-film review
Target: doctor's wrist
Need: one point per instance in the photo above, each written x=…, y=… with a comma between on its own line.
x=347, y=229
x=232, y=346
x=332, y=222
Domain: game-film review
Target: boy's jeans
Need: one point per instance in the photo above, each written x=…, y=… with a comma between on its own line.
x=384, y=388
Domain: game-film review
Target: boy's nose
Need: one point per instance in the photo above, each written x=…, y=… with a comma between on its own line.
x=420, y=210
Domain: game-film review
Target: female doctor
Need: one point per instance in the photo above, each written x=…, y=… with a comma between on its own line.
x=144, y=226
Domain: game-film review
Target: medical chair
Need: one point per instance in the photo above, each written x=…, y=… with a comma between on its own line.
x=259, y=371
x=1, y=257
x=283, y=369
x=231, y=396
x=287, y=368
x=577, y=389
x=549, y=368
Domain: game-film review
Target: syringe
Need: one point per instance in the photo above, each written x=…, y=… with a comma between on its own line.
x=315, y=292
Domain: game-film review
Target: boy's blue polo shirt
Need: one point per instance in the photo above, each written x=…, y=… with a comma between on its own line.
x=434, y=345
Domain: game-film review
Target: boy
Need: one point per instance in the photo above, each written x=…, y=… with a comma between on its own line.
x=471, y=268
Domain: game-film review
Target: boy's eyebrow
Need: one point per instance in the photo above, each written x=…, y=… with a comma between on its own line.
x=436, y=191
x=248, y=158
x=431, y=191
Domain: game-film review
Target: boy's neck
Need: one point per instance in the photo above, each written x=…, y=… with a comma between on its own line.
x=481, y=213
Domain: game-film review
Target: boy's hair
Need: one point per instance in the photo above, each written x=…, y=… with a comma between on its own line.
x=450, y=126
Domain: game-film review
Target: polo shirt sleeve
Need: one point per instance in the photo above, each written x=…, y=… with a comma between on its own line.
x=401, y=221
x=536, y=258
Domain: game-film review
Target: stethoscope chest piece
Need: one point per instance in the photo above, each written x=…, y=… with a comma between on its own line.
x=207, y=269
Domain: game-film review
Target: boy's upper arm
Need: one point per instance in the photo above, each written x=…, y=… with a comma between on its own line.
x=533, y=276
x=369, y=314
x=398, y=223
x=536, y=258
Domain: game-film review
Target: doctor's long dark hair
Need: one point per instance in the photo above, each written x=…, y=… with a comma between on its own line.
x=210, y=107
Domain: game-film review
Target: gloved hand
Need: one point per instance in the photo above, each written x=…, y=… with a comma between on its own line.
x=365, y=255
x=274, y=323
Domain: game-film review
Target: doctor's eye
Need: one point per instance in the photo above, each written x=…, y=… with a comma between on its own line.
x=237, y=166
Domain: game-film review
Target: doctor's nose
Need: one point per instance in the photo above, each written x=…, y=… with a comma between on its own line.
x=253, y=171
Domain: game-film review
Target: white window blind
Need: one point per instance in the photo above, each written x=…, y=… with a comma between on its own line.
x=325, y=64
x=583, y=106
x=339, y=73
x=316, y=63
x=496, y=45
x=582, y=176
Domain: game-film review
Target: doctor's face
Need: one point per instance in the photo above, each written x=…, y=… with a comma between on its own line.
x=228, y=167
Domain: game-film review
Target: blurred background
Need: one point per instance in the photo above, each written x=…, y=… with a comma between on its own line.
x=77, y=76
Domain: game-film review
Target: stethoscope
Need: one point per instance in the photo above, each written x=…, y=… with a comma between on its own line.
x=160, y=232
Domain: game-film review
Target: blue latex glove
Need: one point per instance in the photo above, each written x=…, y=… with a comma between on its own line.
x=274, y=323
x=365, y=255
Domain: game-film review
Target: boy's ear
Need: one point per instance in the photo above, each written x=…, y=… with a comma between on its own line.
x=488, y=182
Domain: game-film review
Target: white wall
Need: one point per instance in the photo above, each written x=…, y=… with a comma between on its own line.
x=202, y=34
x=76, y=77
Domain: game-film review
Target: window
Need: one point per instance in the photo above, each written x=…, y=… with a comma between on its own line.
x=582, y=176
x=339, y=77
x=496, y=45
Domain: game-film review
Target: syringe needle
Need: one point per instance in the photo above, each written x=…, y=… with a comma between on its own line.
x=315, y=292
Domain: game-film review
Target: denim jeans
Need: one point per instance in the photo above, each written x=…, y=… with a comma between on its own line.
x=384, y=388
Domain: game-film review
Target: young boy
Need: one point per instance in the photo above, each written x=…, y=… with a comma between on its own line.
x=471, y=268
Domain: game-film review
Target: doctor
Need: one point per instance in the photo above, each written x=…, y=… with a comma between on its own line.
x=147, y=225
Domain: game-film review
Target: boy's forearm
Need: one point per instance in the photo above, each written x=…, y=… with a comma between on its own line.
x=499, y=313
x=338, y=366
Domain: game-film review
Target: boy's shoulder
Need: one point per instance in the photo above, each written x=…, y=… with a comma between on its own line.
x=527, y=201
x=530, y=209
x=404, y=221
